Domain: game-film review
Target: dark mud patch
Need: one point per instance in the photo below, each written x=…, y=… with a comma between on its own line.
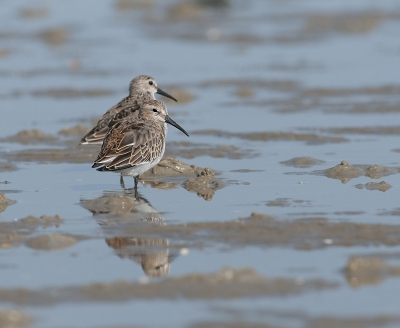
x=31, y=137
x=302, y=162
x=5, y=202
x=309, y=138
x=191, y=150
x=72, y=93
x=381, y=186
x=8, y=167
x=205, y=184
x=54, y=36
x=228, y=283
x=127, y=5
x=345, y=172
x=369, y=270
x=368, y=130
x=286, y=202
x=264, y=230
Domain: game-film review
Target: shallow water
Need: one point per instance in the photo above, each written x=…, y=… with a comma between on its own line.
x=258, y=84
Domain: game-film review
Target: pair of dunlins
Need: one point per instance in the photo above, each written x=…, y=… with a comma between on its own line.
x=133, y=131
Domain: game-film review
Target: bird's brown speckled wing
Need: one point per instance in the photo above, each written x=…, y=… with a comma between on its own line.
x=126, y=107
x=131, y=143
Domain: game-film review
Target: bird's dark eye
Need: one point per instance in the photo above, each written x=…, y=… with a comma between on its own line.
x=154, y=110
x=151, y=82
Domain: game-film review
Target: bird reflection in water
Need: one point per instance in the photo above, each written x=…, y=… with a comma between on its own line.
x=118, y=213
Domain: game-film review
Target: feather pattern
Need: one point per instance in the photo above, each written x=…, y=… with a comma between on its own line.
x=141, y=89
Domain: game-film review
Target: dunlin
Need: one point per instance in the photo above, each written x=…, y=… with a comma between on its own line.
x=142, y=88
x=135, y=145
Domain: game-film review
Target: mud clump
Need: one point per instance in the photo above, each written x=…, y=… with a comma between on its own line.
x=51, y=242
x=205, y=184
x=368, y=271
x=377, y=171
x=302, y=162
x=30, y=137
x=169, y=166
x=343, y=172
x=381, y=186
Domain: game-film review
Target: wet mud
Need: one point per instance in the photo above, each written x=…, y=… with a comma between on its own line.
x=309, y=138
x=302, y=162
x=264, y=230
x=247, y=283
x=369, y=270
x=205, y=184
x=15, y=319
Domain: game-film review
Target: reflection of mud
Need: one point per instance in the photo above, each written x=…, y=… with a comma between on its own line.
x=33, y=12
x=227, y=283
x=54, y=36
x=12, y=234
x=368, y=271
x=381, y=186
x=5, y=202
x=191, y=150
x=310, y=138
x=303, y=162
x=122, y=208
x=6, y=167
x=259, y=229
x=205, y=185
x=345, y=172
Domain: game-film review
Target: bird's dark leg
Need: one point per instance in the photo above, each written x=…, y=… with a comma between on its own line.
x=136, y=178
x=121, y=182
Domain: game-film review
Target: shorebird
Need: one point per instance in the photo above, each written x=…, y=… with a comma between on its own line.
x=135, y=145
x=142, y=88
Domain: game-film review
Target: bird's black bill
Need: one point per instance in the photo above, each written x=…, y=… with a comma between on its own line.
x=173, y=123
x=163, y=93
